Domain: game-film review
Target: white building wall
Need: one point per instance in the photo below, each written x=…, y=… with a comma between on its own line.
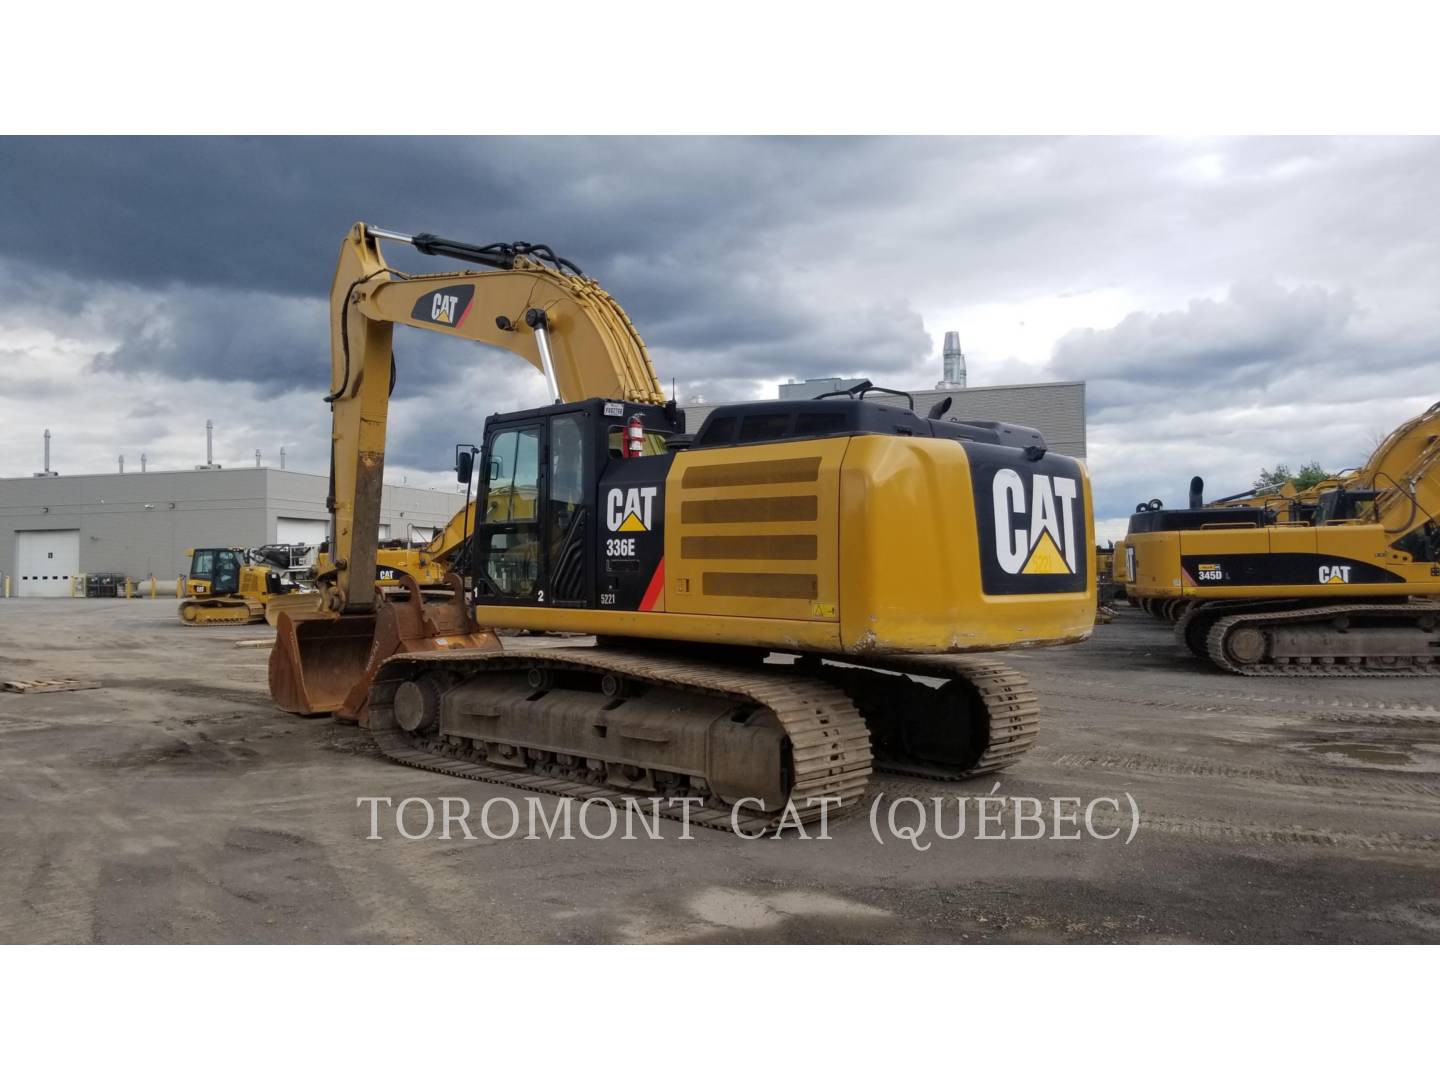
x=140, y=524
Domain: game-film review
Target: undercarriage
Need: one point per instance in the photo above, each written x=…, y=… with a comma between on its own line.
x=751, y=745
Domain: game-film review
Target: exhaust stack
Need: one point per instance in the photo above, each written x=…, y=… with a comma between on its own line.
x=47, y=471
x=209, y=447
x=954, y=359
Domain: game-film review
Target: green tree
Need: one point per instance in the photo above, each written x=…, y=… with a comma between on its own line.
x=1306, y=477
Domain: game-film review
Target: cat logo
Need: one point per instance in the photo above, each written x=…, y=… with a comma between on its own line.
x=1334, y=575
x=1035, y=529
x=630, y=509
x=444, y=307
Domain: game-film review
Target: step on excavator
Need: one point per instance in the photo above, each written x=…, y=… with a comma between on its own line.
x=1344, y=580
x=790, y=597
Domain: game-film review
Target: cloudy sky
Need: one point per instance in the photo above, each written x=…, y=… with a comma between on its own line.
x=1230, y=303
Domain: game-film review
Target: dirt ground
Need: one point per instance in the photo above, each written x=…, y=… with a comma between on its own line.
x=176, y=804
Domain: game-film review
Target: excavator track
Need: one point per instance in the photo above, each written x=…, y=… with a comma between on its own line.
x=1222, y=649
x=984, y=719
x=827, y=744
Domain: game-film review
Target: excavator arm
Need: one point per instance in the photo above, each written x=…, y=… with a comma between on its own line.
x=447, y=541
x=1405, y=473
x=529, y=302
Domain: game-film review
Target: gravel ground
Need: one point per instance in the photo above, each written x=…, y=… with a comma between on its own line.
x=176, y=804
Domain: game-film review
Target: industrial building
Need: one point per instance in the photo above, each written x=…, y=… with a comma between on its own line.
x=53, y=528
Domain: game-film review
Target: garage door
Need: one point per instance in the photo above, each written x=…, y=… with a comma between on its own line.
x=300, y=531
x=46, y=562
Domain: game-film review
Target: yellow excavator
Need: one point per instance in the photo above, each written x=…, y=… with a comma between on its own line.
x=765, y=594
x=1278, y=504
x=1346, y=582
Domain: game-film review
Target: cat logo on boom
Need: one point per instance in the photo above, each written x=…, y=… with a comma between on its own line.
x=630, y=509
x=1335, y=575
x=444, y=307
x=1035, y=523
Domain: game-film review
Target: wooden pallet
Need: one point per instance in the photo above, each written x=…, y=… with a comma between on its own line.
x=47, y=686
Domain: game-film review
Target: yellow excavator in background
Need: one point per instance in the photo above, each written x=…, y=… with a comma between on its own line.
x=1347, y=583
x=1278, y=504
x=761, y=591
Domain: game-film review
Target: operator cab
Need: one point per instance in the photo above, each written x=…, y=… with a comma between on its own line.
x=215, y=571
x=549, y=477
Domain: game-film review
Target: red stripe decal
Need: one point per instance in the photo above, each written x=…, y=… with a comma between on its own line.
x=655, y=589
x=461, y=321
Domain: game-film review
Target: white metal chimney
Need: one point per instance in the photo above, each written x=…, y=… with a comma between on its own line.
x=143, y=459
x=209, y=447
x=122, y=463
x=257, y=457
x=282, y=457
x=954, y=373
x=47, y=471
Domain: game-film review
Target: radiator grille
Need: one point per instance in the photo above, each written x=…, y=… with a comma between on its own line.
x=740, y=473
x=782, y=586
x=737, y=511
x=748, y=547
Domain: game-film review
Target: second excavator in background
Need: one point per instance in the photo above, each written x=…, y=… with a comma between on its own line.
x=1345, y=582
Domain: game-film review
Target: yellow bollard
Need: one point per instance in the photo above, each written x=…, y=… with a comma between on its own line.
x=154, y=587
x=7, y=586
x=129, y=589
x=180, y=587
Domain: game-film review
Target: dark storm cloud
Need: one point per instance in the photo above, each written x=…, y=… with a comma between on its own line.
x=748, y=261
x=229, y=237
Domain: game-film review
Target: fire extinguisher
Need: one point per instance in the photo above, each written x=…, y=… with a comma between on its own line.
x=635, y=437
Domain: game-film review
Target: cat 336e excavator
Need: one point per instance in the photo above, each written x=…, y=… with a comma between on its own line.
x=858, y=541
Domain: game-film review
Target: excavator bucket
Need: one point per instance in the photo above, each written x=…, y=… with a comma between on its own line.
x=325, y=663
x=317, y=659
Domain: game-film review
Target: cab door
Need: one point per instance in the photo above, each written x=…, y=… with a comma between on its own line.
x=226, y=579
x=508, y=530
